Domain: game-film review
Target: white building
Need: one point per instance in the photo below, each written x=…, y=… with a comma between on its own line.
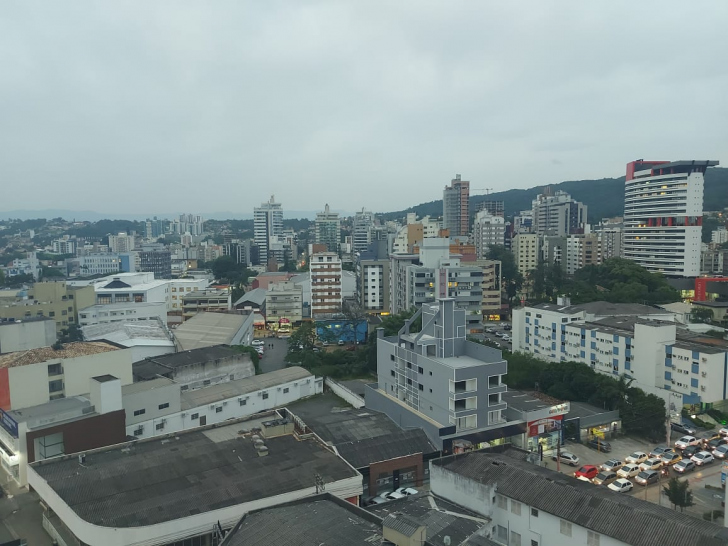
x=558, y=214
x=663, y=215
x=362, y=230
x=528, y=505
x=641, y=342
x=413, y=232
x=267, y=224
x=64, y=245
x=122, y=312
x=145, y=338
x=99, y=264
x=719, y=236
x=131, y=287
x=158, y=407
x=284, y=300
x=121, y=243
x=488, y=230
x=328, y=229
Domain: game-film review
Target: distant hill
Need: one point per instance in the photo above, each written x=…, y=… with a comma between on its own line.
x=605, y=197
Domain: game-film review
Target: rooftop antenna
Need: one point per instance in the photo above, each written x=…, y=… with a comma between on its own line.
x=320, y=485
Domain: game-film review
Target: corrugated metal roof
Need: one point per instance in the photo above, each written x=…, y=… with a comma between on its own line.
x=402, y=523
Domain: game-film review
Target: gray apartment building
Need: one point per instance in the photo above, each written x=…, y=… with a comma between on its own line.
x=437, y=380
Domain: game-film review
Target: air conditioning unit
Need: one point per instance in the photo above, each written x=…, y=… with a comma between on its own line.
x=704, y=374
x=704, y=359
x=702, y=388
x=183, y=414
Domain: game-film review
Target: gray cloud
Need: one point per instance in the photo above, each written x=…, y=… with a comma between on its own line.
x=157, y=106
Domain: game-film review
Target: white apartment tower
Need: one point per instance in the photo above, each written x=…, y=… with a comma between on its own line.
x=326, y=284
x=663, y=215
x=362, y=232
x=488, y=230
x=268, y=227
x=328, y=229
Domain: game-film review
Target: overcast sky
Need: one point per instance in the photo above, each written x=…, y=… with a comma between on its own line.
x=154, y=106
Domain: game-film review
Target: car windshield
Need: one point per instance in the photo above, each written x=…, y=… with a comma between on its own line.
x=584, y=469
x=637, y=455
x=699, y=456
x=643, y=475
x=602, y=475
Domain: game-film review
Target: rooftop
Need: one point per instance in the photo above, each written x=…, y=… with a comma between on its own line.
x=207, y=329
x=528, y=401
x=153, y=366
x=230, y=389
x=717, y=304
x=315, y=521
x=53, y=412
x=45, y=354
x=139, y=332
x=582, y=409
x=256, y=296
x=602, y=308
x=28, y=319
x=622, y=517
x=442, y=518
x=361, y=436
x=127, y=305
x=143, y=386
x=171, y=477
x=207, y=293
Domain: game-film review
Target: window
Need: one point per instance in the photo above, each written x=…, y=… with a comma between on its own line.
x=218, y=409
x=515, y=539
x=392, y=372
x=139, y=431
x=420, y=369
x=516, y=508
x=391, y=357
x=535, y=542
x=566, y=528
x=55, y=386
x=139, y=412
x=592, y=538
x=243, y=402
x=164, y=406
x=160, y=426
x=265, y=396
x=55, y=369
x=206, y=382
x=501, y=533
x=194, y=416
x=534, y=512
x=421, y=386
x=501, y=502
x=285, y=390
x=184, y=387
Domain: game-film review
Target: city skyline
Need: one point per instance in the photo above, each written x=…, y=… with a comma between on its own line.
x=351, y=101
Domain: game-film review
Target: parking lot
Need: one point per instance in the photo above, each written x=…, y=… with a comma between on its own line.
x=498, y=329
x=705, y=498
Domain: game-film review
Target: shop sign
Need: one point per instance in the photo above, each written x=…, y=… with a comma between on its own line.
x=559, y=409
x=549, y=424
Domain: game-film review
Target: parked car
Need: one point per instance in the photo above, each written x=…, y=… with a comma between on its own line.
x=659, y=450
x=507, y=327
x=621, y=485
x=407, y=491
x=612, y=464
x=655, y=463
x=720, y=451
x=723, y=431
x=340, y=342
x=588, y=471
x=604, y=478
x=377, y=500
x=506, y=337
x=686, y=441
x=710, y=446
x=629, y=470
x=567, y=457
x=690, y=451
x=637, y=457
x=702, y=458
x=686, y=465
x=599, y=445
x=394, y=495
x=647, y=477
x=669, y=459
x=683, y=428
x=257, y=342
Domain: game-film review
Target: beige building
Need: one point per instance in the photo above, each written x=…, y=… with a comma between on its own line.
x=526, y=249
x=491, y=307
x=284, y=300
x=52, y=299
x=582, y=250
x=31, y=378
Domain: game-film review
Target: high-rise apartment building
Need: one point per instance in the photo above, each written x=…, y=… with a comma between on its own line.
x=663, y=215
x=155, y=258
x=328, y=229
x=456, y=207
x=267, y=227
x=121, y=243
x=326, y=285
x=192, y=223
x=64, y=245
x=496, y=208
x=155, y=228
x=372, y=278
x=362, y=230
x=488, y=230
x=558, y=214
x=526, y=247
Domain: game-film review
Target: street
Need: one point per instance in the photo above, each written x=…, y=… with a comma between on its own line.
x=21, y=515
x=274, y=356
x=498, y=328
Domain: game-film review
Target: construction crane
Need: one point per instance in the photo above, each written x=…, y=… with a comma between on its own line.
x=486, y=190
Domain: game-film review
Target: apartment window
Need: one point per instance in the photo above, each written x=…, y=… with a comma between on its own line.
x=501, y=533
x=218, y=409
x=420, y=369
x=51, y=313
x=243, y=402
x=422, y=387
x=55, y=386
x=515, y=539
x=534, y=542
x=195, y=416
x=55, y=369
x=534, y=512
x=493, y=399
x=501, y=502
x=139, y=431
x=285, y=390
x=139, y=412
x=164, y=406
x=160, y=426
x=592, y=538
x=516, y=508
x=265, y=396
x=391, y=357
x=565, y=528
x=206, y=382
x=430, y=373
x=392, y=372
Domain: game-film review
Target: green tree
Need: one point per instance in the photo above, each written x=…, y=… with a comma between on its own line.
x=679, y=493
x=47, y=272
x=512, y=279
x=254, y=356
x=701, y=315
x=70, y=334
x=2, y=277
x=302, y=340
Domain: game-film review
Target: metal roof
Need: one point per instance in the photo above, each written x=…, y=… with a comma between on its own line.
x=205, y=329
x=172, y=477
x=622, y=517
x=154, y=366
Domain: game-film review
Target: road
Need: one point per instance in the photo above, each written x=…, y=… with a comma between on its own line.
x=275, y=355
x=21, y=515
x=498, y=328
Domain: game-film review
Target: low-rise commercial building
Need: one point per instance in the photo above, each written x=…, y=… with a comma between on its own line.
x=543, y=416
x=146, y=338
x=198, y=482
x=284, y=301
x=122, y=312
x=210, y=329
x=23, y=335
x=208, y=300
x=55, y=300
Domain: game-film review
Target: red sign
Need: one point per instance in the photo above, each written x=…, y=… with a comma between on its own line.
x=548, y=424
x=284, y=321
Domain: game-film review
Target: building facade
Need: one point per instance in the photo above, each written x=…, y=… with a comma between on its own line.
x=284, y=300
x=362, y=227
x=122, y=312
x=488, y=230
x=558, y=214
x=526, y=248
x=663, y=215
x=372, y=277
x=328, y=229
x=267, y=224
x=456, y=207
x=326, y=284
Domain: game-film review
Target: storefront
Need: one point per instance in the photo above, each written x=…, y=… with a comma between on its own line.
x=543, y=416
x=585, y=422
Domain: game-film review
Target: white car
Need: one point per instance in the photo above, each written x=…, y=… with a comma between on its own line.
x=637, y=457
x=257, y=343
x=701, y=458
x=506, y=337
x=628, y=471
x=686, y=441
x=621, y=485
x=652, y=464
x=407, y=491
x=720, y=451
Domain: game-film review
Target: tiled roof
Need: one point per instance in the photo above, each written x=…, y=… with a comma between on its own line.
x=622, y=517
x=44, y=354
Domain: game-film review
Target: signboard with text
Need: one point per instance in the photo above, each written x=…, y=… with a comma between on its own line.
x=540, y=426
